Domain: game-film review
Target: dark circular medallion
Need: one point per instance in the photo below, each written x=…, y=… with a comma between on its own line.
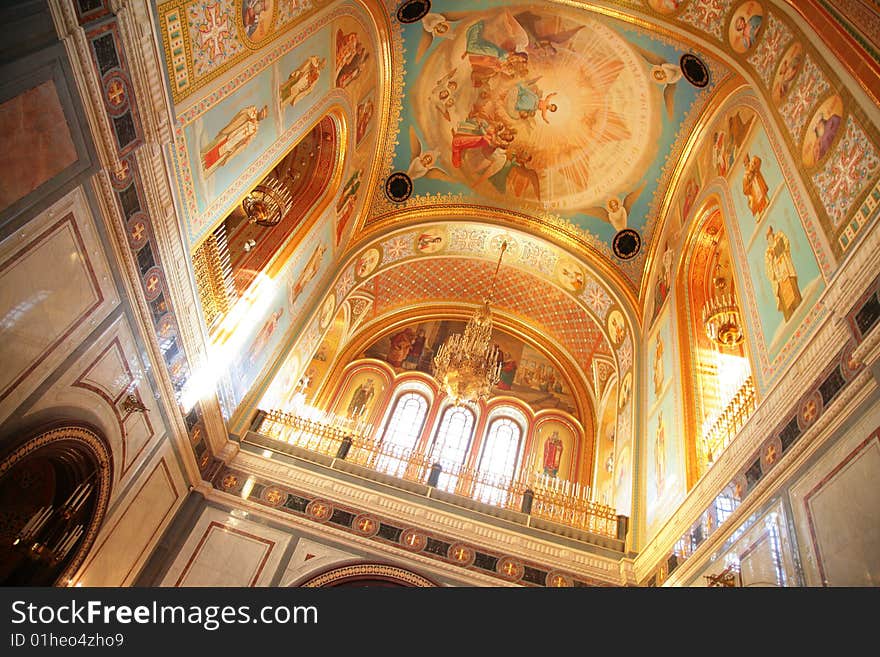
x=398, y=187
x=694, y=70
x=626, y=244
x=413, y=10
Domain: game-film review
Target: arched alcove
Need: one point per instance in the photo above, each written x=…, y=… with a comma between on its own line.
x=54, y=490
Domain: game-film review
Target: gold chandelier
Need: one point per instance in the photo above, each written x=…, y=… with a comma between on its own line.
x=268, y=203
x=467, y=366
x=721, y=315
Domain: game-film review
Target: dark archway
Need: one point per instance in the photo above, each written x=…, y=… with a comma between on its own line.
x=54, y=491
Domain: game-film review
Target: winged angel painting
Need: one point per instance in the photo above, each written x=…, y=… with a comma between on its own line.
x=552, y=109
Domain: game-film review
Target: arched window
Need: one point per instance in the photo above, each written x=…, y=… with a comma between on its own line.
x=451, y=444
x=497, y=463
x=402, y=432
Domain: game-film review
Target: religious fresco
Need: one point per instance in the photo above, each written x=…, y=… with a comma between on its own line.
x=603, y=481
x=664, y=465
x=547, y=110
x=525, y=373
x=784, y=277
x=224, y=144
x=203, y=39
x=553, y=451
x=362, y=397
x=783, y=270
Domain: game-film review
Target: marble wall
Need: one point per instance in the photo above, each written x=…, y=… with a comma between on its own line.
x=837, y=510
x=221, y=546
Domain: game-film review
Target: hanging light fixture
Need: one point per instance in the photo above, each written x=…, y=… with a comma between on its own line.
x=51, y=533
x=467, y=366
x=721, y=314
x=267, y=204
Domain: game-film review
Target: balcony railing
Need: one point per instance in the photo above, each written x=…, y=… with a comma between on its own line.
x=551, y=499
x=719, y=433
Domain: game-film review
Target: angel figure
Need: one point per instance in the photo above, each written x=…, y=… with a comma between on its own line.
x=436, y=25
x=527, y=100
x=543, y=33
x=664, y=74
x=424, y=162
x=443, y=94
x=616, y=212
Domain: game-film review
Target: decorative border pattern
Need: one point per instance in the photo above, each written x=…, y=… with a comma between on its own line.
x=395, y=534
x=111, y=68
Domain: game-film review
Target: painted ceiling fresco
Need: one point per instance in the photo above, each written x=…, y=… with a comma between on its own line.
x=571, y=117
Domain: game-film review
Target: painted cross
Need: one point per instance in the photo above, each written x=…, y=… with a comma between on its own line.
x=460, y=554
x=116, y=92
x=365, y=525
x=214, y=30
x=122, y=172
x=138, y=231
x=559, y=580
x=772, y=453
x=509, y=568
x=412, y=539
x=152, y=283
x=811, y=410
x=845, y=172
x=801, y=99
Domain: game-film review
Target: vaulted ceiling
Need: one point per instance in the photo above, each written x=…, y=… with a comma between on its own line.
x=567, y=121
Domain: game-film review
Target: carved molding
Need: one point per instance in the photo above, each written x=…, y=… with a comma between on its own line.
x=430, y=519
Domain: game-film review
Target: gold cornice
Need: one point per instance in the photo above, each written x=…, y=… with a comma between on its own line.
x=397, y=318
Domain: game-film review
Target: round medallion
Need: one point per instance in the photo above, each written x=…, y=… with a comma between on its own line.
x=694, y=70
x=121, y=178
x=413, y=539
x=166, y=328
x=273, y=496
x=626, y=244
x=319, y=510
x=461, y=554
x=204, y=460
x=746, y=26
x=367, y=262
x=430, y=241
x=256, y=21
x=327, y=312
x=809, y=410
x=413, y=10
x=510, y=568
x=570, y=275
x=849, y=365
x=771, y=452
x=152, y=283
x=558, y=579
x=366, y=525
x=229, y=482
x=788, y=69
x=824, y=126
x=115, y=93
x=625, y=388
x=138, y=233
x=398, y=187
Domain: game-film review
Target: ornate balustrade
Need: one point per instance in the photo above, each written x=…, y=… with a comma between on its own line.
x=718, y=435
x=551, y=499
